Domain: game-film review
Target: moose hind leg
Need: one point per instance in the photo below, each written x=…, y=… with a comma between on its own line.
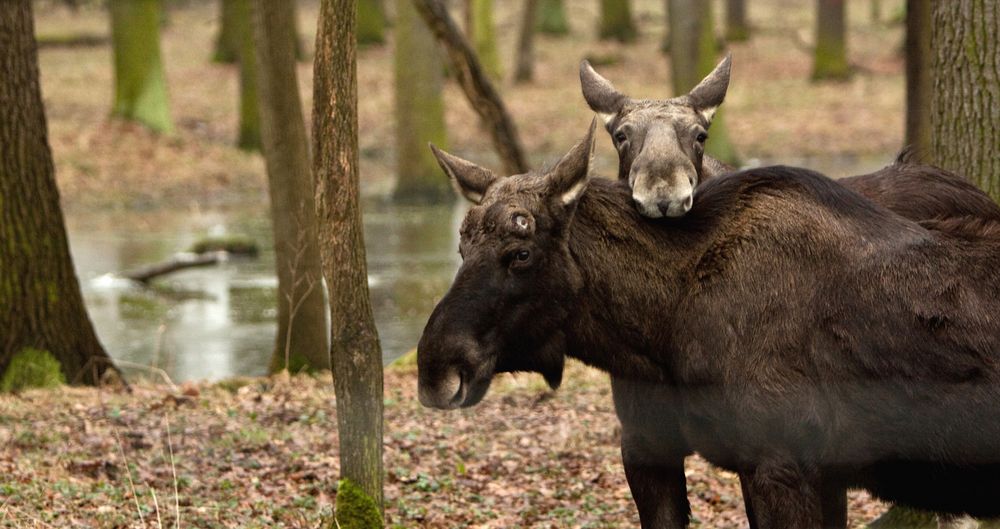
x=785, y=495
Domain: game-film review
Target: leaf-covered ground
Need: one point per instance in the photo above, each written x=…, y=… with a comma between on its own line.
x=263, y=453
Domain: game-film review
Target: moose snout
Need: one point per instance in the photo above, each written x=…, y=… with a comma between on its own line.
x=663, y=192
x=446, y=392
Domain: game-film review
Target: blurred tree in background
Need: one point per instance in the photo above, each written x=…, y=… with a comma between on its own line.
x=371, y=22
x=140, y=84
x=44, y=320
x=227, y=46
x=830, y=53
x=249, y=135
x=354, y=345
x=301, y=341
x=737, y=28
x=965, y=108
x=919, y=80
x=482, y=33
x=551, y=17
x=419, y=109
x=616, y=21
x=693, y=54
x=525, y=68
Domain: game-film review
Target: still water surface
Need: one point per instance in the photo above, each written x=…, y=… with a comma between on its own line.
x=211, y=323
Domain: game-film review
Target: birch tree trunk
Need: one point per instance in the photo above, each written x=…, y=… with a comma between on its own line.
x=43, y=313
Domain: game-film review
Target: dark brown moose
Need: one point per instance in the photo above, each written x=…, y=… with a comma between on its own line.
x=808, y=338
x=656, y=141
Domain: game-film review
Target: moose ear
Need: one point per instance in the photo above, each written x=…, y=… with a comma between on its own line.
x=711, y=91
x=568, y=179
x=600, y=93
x=469, y=179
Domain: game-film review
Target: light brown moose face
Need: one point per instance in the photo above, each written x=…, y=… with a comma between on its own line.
x=510, y=300
x=660, y=142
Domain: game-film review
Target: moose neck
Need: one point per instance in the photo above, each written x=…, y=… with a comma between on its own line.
x=635, y=272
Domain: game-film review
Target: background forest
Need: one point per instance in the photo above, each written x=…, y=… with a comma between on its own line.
x=185, y=142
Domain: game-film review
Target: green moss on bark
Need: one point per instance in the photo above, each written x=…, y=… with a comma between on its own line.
x=355, y=509
x=616, y=21
x=551, y=18
x=371, y=22
x=140, y=84
x=31, y=368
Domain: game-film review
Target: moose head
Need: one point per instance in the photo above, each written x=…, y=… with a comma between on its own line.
x=504, y=311
x=660, y=142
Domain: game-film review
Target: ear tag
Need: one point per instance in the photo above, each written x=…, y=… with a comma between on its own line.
x=522, y=224
x=521, y=221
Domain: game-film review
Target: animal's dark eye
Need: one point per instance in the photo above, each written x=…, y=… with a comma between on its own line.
x=702, y=137
x=620, y=137
x=522, y=255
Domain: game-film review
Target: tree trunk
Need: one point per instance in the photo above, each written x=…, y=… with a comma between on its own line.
x=371, y=22
x=693, y=54
x=551, y=17
x=482, y=33
x=737, y=28
x=526, y=43
x=227, y=47
x=43, y=308
x=419, y=110
x=876, y=12
x=616, y=21
x=830, y=55
x=919, y=80
x=140, y=85
x=965, y=107
x=478, y=89
x=898, y=517
x=355, y=351
x=249, y=136
x=301, y=342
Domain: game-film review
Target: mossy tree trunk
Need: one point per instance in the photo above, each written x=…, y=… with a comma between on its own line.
x=737, y=28
x=482, y=33
x=43, y=308
x=551, y=18
x=227, y=47
x=140, y=84
x=371, y=22
x=525, y=71
x=419, y=110
x=355, y=350
x=919, y=80
x=830, y=54
x=693, y=54
x=301, y=342
x=616, y=21
x=965, y=107
x=903, y=518
x=249, y=135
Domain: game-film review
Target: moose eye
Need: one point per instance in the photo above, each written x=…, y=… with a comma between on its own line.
x=620, y=137
x=702, y=137
x=522, y=255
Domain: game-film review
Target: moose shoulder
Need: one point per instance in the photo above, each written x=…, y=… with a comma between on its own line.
x=808, y=336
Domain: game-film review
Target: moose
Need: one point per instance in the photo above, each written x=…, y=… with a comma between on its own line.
x=807, y=338
x=660, y=144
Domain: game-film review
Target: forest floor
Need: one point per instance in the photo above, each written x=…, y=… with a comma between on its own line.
x=774, y=113
x=261, y=452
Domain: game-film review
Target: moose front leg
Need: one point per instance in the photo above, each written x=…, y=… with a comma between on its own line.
x=785, y=494
x=658, y=486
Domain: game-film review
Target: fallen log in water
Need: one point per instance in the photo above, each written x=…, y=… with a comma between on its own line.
x=181, y=261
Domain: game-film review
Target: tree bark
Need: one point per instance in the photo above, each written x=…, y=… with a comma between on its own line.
x=737, y=28
x=482, y=33
x=919, y=80
x=419, y=110
x=42, y=305
x=371, y=22
x=478, y=89
x=140, y=84
x=355, y=350
x=227, y=47
x=301, y=342
x=551, y=17
x=616, y=21
x=830, y=54
x=693, y=54
x=249, y=135
x=965, y=107
x=526, y=43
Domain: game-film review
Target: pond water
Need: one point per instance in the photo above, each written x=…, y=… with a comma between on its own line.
x=216, y=322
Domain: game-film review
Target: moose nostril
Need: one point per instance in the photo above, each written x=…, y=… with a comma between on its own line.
x=664, y=207
x=688, y=202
